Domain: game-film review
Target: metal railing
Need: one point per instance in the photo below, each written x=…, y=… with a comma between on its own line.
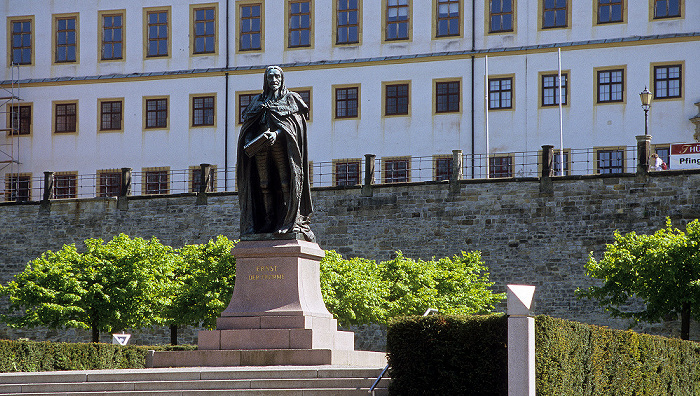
x=388, y=170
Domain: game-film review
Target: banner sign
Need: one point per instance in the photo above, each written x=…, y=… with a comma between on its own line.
x=685, y=156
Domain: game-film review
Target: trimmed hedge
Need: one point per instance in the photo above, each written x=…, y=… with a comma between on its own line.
x=448, y=355
x=579, y=359
x=56, y=356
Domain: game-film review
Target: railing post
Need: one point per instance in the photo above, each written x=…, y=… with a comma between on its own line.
x=521, y=341
x=48, y=186
x=204, y=182
x=643, y=153
x=546, y=186
x=124, y=190
x=369, y=175
x=456, y=174
x=45, y=204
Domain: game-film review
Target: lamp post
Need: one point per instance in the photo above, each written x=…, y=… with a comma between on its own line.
x=645, y=96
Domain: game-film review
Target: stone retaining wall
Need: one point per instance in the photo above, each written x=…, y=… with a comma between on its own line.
x=525, y=236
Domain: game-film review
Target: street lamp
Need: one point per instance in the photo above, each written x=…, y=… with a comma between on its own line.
x=645, y=96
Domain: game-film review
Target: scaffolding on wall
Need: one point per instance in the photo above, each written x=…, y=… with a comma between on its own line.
x=9, y=145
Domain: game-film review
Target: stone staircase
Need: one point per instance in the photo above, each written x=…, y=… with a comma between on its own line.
x=198, y=381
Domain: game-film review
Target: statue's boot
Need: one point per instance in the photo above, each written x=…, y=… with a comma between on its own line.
x=285, y=205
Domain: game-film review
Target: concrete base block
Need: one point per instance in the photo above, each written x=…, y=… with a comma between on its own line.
x=268, y=357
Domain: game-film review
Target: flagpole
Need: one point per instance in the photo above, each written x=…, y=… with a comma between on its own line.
x=561, y=122
x=486, y=109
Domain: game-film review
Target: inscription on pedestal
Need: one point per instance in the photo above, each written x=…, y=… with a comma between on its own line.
x=269, y=272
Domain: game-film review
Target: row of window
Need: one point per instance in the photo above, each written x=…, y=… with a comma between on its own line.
x=397, y=14
x=345, y=173
x=610, y=89
x=108, y=183
x=157, y=35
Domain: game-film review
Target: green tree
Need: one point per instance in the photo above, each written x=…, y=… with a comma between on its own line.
x=662, y=270
x=124, y=283
x=205, y=284
x=360, y=291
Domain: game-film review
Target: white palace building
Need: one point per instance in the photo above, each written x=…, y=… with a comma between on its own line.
x=91, y=87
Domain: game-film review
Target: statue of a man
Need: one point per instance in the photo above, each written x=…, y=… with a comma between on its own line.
x=273, y=168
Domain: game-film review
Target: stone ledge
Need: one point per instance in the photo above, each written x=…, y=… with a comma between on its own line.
x=265, y=357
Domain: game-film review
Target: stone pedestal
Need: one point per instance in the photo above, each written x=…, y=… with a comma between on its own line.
x=277, y=302
x=276, y=314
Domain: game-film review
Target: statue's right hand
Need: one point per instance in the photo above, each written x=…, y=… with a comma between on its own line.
x=271, y=136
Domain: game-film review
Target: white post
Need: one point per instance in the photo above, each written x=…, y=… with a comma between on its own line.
x=521, y=341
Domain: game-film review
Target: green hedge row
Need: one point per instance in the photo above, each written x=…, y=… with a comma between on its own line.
x=448, y=355
x=579, y=359
x=54, y=356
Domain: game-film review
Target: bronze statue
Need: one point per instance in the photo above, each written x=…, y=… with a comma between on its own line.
x=274, y=190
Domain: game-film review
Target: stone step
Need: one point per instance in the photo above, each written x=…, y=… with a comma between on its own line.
x=224, y=392
x=265, y=357
x=279, y=380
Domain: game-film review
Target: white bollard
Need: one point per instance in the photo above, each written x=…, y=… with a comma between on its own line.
x=521, y=341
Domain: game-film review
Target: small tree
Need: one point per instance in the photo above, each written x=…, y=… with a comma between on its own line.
x=205, y=285
x=112, y=286
x=662, y=270
x=360, y=291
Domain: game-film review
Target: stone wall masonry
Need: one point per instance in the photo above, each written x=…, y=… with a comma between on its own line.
x=525, y=236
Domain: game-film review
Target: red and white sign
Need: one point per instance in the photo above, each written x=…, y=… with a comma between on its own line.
x=685, y=156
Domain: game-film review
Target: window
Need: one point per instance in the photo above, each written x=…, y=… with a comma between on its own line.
x=396, y=170
x=157, y=113
x=251, y=27
x=447, y=18
x=347, y=22
x=667, y=8
x=611, y=161
x=347, y=173
x=550, y=89
x=66, y=39
x=443, y=168
x=112, y=36
x=554, y=14
x=21, y=42
x=305, y=94
x=664, y=152
x=111, y=115
x=65, y=117
x=65, y=186
x=447, y=96
x=20, y=121
x=346, y=102
x=611, y=85
x=396, y=99
x=158, y=33
x=501, y=16
x=18, y=187
x=501, y=166
x=109, y=183
x=204, y=31
x=299, y=23
x=609, y=11
x=243, y=102
x=556, y=163
x=203, y=111
x=501, y=93
x=667, y=81
x=156, y=182
x=196, y=178
x=397, y=20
